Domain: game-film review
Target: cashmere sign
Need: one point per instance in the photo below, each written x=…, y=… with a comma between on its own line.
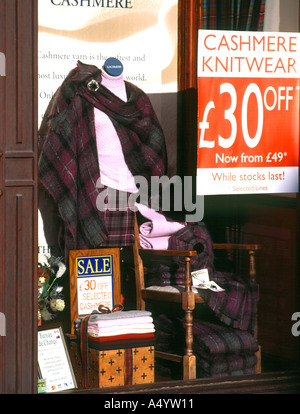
x=248, y=112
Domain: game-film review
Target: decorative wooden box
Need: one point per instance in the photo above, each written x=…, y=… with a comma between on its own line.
x=120, y=367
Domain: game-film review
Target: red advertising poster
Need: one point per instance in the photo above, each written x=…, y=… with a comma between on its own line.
x=248, y=112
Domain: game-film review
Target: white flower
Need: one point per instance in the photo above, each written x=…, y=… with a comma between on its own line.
x=43, y=258
x=60, y=305
x=41, y=281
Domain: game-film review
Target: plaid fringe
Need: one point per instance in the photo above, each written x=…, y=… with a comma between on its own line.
x=243, y=15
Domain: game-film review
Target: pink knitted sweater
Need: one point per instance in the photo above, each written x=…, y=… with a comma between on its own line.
x=113, y=168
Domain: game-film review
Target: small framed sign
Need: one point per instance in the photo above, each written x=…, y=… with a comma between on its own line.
x=94, y=280
x=54, y=364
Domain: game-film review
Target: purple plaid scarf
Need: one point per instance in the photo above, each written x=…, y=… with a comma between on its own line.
x=68, y=162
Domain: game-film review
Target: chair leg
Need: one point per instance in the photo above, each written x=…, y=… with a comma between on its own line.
x=138, y=269
x=189, y=367
x=189, y=359
x=188, y=305
x=258, y=363
x=252, y=274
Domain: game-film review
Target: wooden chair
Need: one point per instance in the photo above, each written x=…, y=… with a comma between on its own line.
x=187, y=298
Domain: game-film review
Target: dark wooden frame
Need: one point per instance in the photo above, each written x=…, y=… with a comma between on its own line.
x=18, y=200
x=187, y=87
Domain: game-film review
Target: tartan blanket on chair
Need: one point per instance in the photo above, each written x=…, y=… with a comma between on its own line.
x=236, y=306
x=220, y=350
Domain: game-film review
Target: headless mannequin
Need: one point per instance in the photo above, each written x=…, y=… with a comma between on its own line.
x=113, y=168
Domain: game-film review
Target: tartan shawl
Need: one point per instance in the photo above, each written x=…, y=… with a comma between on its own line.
x=236, y=306
x=68, y=162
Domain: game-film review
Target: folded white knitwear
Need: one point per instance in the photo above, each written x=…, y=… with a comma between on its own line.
x=121, y=330
x=118, y=323
x=155, y=234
